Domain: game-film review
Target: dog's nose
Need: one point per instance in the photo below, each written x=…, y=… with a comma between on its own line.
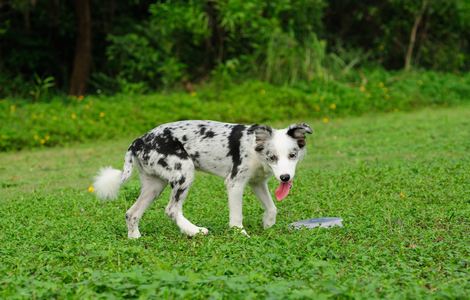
x=285, y=177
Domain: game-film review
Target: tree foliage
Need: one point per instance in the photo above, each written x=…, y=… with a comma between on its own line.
x=143, y=45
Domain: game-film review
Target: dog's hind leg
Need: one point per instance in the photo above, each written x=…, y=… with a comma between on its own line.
x=270, y=211
x=151, y=188
x=180, y=183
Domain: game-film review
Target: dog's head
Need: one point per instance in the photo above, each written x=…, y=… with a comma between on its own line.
x=281, y=150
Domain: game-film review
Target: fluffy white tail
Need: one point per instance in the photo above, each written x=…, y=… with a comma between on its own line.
x=109, y=180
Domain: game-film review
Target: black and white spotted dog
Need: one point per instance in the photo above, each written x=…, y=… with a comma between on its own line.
x=241, y=154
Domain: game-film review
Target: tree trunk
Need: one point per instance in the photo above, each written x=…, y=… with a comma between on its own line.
x=82, y=60
x=414, y=30
x=215, y=41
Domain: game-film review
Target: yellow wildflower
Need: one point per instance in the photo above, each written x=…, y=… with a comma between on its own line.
x=42, y=141
x=36, y=137
x=91, y=189
x=12, y=108
x=402, y=195
x=362, y=88
x=325, y=120
x=101, y=114
x=193, y=94
x=333, y=106
x=73, y=116
x=47, y=137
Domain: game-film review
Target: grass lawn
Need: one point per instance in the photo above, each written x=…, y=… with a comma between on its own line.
x=400, y=181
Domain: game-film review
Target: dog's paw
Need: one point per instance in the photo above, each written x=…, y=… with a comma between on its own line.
x=192, y=231
x=240, y=230
x=134, y=234
x=269, y=219
x=243, y=231
x=203, y=231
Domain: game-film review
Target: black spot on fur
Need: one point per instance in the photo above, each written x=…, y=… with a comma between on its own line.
x=271, y=157
x=162, y=162
x=136, y=146
x=209, y=134
x=141, y=146
x=195, y=156
x=262, y=134
x=291, y=132
x=178, y=194
x=164, y=143
x=182, y=180
x=202, y=131
x=178, y=166
x=259, y=148
x=184, y=138
x=127, y=216
x=253, y=128
x=298, y=132
x=234, y=147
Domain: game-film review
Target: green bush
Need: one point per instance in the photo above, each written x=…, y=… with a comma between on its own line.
x=63, y=120
x=186, y=41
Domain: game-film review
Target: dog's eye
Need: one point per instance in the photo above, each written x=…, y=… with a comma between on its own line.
x=272, y=158
x=292, y=155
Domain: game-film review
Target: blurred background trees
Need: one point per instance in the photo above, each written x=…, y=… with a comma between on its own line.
x=114, y=46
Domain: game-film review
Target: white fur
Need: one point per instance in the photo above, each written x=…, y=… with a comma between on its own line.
x=107, y=183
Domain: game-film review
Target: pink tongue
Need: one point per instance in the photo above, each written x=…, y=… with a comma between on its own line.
x=283, y=190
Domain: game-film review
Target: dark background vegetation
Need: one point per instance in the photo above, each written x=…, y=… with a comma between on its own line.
x=72, y=71
x=110, y=46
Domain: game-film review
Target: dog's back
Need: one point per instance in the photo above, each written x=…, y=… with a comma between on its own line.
x=214, y=147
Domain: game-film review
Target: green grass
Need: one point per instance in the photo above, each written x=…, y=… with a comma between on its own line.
x=400, y=181
x=64, y=120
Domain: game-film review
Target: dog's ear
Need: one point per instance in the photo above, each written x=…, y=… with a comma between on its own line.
x=262, y=134
x=298, y=131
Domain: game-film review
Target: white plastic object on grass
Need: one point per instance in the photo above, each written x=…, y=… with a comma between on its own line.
x=318, y=222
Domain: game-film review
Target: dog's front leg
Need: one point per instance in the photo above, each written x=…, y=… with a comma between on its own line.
x=270, y=211
x=235, y=202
